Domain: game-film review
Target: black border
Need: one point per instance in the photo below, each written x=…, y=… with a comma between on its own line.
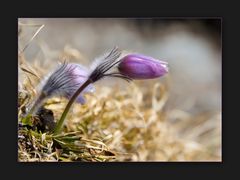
x=112, y=170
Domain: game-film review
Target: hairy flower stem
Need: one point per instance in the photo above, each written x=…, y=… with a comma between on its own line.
x=37, y=103
x=70, y=102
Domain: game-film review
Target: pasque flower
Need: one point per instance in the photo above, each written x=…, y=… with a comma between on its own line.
x=138, y=66
x=99, y=69
x=64, y=81
x=72, y=80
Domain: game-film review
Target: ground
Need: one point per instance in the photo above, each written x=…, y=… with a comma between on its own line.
x=175, y=118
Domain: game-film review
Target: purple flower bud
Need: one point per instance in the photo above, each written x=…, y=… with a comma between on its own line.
x=65, y=81
x=137, y=66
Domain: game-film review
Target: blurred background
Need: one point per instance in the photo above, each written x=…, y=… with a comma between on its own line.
x=192, y=47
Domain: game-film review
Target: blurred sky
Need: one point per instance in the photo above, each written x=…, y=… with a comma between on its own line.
x=192, y=47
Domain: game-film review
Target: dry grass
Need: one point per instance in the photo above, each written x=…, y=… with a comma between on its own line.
x=128, y=123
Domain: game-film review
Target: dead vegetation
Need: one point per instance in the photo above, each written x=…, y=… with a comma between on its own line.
x=116, y=124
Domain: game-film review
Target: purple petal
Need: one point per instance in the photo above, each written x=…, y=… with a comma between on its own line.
x=137, y=66
x=66, y=80
x=80, y=99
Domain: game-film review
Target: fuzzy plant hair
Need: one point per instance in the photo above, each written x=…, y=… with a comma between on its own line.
x=102, y=65
x=99, y=69
x=72, y=80
x=63, y=81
